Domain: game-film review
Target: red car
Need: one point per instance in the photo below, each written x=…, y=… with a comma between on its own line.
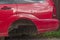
x=27, y=17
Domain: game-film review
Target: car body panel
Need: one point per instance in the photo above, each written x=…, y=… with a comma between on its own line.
x=39, y=14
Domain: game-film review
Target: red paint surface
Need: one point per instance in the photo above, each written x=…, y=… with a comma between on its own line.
x=39, y=14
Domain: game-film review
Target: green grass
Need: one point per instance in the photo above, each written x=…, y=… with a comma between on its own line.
x=51, y=34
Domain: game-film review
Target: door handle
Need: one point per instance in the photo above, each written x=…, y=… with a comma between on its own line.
x=5, y=8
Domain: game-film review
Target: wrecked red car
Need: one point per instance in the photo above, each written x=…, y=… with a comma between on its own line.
x=27, y=16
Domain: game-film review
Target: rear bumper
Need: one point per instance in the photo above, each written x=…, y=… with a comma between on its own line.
x=3, y=34
x=46, y=25
x=47, y=30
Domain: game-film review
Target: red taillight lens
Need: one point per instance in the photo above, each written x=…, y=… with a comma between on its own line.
x=54, y=15
x=54, y=12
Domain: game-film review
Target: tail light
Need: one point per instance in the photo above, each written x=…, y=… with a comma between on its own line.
x=54, y=13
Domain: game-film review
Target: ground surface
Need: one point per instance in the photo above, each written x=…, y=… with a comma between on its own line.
x=54, y=35
x=38, y=39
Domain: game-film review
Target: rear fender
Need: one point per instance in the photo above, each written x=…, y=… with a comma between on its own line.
x=14, y=18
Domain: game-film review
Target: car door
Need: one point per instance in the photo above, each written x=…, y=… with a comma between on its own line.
x=6, y=9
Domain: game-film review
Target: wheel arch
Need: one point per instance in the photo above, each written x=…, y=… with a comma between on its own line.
x=27, y=19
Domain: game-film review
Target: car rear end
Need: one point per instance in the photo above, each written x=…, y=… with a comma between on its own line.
x=41, y=12
x=47, y=18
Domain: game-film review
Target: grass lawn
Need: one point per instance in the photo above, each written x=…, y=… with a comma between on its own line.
x=51, y=34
